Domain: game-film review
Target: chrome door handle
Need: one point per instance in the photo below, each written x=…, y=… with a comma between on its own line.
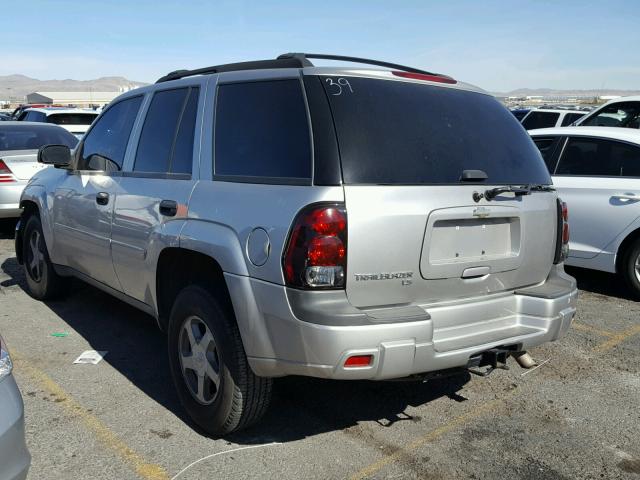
x=626, y=196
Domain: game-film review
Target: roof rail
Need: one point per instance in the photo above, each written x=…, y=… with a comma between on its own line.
x=322, y=56
x=232, y=67
x=286, y=60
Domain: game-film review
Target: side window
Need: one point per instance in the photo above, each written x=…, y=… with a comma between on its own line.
x=35, y=117
x=548, y=147
x=569, y=118
x=599, y=157
x=620, y=114
x=166, y=141
x=540, y=120
x=105, y=145
x=261, y=130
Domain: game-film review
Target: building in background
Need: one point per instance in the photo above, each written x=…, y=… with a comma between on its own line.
x=77, y=99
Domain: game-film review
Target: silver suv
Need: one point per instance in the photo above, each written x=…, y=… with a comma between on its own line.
x=278, y=218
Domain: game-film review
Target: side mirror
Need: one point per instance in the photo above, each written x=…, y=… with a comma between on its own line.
x=56, y=155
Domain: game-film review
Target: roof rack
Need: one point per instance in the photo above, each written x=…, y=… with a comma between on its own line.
x=286, y=60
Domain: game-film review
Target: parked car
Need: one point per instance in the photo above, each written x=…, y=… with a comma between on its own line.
x=520, y=113
x=75, y=120
x=263, y=250
x=18, y=111
x=620, y=112
x=550, y=117
x=14, y=456
x=5, y=117
x=597, y=172
x=19, y=144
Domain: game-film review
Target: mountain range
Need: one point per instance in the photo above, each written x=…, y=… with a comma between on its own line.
x=15, y=87
x=551, y=92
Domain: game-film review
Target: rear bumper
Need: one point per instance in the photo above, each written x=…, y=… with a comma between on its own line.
x=10, y=199
x=14, y=456
x=445, y=336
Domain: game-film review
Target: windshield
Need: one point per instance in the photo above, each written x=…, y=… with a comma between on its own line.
x=72, y=118
x=393, y=132
x=32, y=137
x=621, y=114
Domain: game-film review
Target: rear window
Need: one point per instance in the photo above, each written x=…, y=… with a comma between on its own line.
x=32, y=137
x=621, y=114
x=569, y=118
x=393, y=132
x=72, y=118
x=540, y=120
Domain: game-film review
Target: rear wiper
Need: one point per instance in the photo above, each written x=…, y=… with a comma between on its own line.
x=517, y=190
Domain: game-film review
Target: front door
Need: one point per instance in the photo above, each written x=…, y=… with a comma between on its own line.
x=84, y=202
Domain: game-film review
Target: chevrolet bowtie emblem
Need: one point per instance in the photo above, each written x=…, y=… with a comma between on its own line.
x=481, y=212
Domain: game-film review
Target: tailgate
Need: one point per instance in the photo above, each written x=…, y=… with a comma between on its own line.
x=422, y=244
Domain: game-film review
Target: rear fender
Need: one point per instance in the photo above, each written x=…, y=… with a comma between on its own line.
x=37, y=195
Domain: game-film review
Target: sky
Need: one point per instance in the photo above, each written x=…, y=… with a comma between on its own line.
x=499, y=45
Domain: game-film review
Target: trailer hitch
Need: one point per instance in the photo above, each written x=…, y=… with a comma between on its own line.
x=492, y=359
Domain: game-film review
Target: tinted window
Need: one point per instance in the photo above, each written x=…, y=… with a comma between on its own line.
x=622, y=114
x=540, y=120
x=569, y=118
x=158, y=143
x=598, y=157
x=72, y=118
x=547, y=147
x=31, y=137
x=393, y=132
x=183, y=149
x=262, y=130
x=35, y=117
x=105, y=144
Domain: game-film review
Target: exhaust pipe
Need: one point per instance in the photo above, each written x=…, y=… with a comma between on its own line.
x=524, y=360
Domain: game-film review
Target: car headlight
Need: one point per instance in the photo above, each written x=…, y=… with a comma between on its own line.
x=5, y=361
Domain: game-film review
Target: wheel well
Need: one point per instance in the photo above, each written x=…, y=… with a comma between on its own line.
x=28, y=208
x=624, y=246
x=179, y=268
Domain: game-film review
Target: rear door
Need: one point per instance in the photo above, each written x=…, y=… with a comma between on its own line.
x=415, y=232
x=599, y=180
x=154, y=190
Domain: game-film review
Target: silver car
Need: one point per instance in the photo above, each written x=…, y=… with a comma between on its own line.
x=596, y=171
x=14, y=456
x=19, y=144
x=278, y=218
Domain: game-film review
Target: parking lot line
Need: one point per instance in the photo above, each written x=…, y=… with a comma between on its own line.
x=588, y=328
x=431, y=436
x=139, y=464
x=617, y=339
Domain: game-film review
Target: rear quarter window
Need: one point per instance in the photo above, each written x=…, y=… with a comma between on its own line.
x=262, y=133
x=395, y=132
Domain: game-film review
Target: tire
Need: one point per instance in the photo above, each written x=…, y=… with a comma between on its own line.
x=240, y=398
x=630, y=268
x=42, y=280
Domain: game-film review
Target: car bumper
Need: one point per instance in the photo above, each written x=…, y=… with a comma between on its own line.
x=443, y=336
x=10, y=199
x=14, y=456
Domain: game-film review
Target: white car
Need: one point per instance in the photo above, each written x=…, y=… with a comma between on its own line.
x=596, y=171
x=621, y=112
x=550, y=117
x=75, y=120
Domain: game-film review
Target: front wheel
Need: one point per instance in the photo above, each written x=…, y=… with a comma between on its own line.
x=630, y=268
x=43, y=281
x=209, y=367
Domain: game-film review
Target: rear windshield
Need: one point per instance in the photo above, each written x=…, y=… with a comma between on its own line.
x=72, y=118
x=32, y=137
x=393, y=132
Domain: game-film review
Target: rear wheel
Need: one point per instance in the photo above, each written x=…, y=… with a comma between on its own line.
x=630, y=268
x=209, y=367
x=43, y=281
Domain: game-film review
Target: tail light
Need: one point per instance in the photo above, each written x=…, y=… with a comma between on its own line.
x=316, y=253
x=6, y=175
x=562, y=236
x=5, y=360
x=425, y=77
